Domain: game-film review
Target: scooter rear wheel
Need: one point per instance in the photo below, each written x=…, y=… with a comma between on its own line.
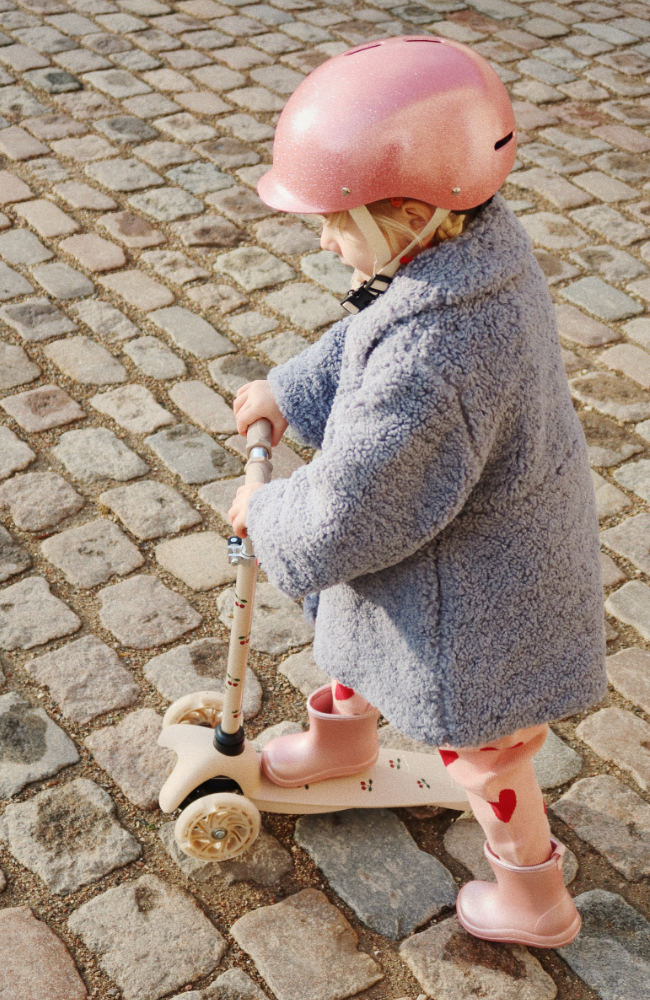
x=217, y=827
x=201, y=708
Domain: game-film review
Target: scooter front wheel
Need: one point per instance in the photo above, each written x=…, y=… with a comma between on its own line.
x=202, y=708
x=217, y=827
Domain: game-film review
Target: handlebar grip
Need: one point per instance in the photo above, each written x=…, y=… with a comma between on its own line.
x=258, y=467
x=259, y=436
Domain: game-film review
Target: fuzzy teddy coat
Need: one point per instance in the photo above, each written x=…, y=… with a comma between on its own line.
x=449, y=523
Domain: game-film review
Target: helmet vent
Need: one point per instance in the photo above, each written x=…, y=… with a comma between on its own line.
x=504, y=142
x=431, y=41
x=353, y=52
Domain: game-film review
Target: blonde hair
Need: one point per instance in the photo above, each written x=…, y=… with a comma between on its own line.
x=396, y=232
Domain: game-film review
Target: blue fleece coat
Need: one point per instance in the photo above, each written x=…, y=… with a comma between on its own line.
x=449, y=523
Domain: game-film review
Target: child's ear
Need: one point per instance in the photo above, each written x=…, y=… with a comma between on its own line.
x=417, y=214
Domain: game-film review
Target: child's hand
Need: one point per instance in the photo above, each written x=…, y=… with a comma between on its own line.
x=239, y=510
x=255, y=400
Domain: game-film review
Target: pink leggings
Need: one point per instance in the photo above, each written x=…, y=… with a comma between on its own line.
x=500, y=783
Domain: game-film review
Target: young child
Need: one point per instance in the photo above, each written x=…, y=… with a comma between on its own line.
x=445, y=538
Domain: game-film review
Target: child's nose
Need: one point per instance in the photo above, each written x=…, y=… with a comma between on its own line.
x=328, y=242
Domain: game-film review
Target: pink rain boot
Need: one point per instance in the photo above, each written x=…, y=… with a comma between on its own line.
x=529, y=905
x=334, y=747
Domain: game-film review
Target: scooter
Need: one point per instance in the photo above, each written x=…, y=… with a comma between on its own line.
x=218, y=781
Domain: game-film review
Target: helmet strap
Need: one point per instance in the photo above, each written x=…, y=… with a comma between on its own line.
x=385, y=264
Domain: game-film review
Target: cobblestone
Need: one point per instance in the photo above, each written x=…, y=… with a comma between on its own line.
x=31, y=615
x=138, y=289
x=68, y=836
x=278, y=622
x=142, y=612
x=155, y=359
x=95, y=453
x=150, y=509
x=199, y=666
x=199, y=560
x=15, y=367
x=85, y=678
x=14, y=453
x=13, y=558
x=602, y=300
x=130, y=754
x=83, y=360
x=46, y=967
x=32, y=747
x=620, y=737
x=192, y=333
x=19, y=246
x=303, y=672
x=92, y=553
x=132, y=230
x=203, y=406
x=38, y=500
x=134, y=408
x=192, y=454
x=265, y=863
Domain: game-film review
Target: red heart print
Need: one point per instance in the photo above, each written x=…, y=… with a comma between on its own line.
x=341, y=693
x=448, y=756
x=504, y=808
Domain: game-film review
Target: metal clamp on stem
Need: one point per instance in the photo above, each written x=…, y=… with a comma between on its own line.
x=229, y=735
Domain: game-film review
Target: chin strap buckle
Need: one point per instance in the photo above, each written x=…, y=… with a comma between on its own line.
x=363, y=296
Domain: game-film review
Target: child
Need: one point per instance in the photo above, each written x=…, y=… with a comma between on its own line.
x=448, y=526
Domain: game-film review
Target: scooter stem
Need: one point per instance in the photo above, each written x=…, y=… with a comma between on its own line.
x=229, y=735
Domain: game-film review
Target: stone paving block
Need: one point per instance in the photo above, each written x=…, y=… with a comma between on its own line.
x=199, y=666
x=38, y=500
x=167, y=205
x=20, y=246
x=611, y=395
x=609, y=571
x=233, y=984
x=52, y=80
x=602, y=300
x=228, y=152
x=126, y=128
x=14, y=453
x=105, y=320
x=606, y=221
x=607, y=443
x=43, y=408
x=533, y=90
x=81, y=61
x=283, y=347
x=154, y=358
x=200, y=178
x=303, y=672
x=18, y=144
x=46, y=218
x=287, y=236
x=224, y=298
x=47, y=170
x=635, y=476
x=401, y=886
x=142, y=612
x=554, y=268
x=631, y=540
x=278, y=622
x=204, y=407
x=150, y=509
x=612, y=952
x=12, y=189
x=220, y=496
x=553, y=232
x=556, y=763
x=86, y=361
x=168, y=80
x=94, y=253
x=12, y=283
x=605, y=188
x=200, y=560
x=555, y=189
x=21, y=58
x=85, y=678
x=92, y=553
x=613, y=819
x=211, y=231
x=464, y=840
x=272, y=732
x=220, y=78
x=132, y=230
x=253, y=268
x=305, y=305
x=155, y=41
x=202, y=104
x=279, y=937
x=138, y=289
x=15, y=367
x=164, y=154
x=245, y=127
x=629, y=672
x=327, y=269
x=630, y=360
x=150, y=106
x=34, y=961
x=62, y=282
x=173, y=266
x=13, y=557
x=185, y=127
x=130, y=754
x=451, y=965
x=239, y=204
x=30, y=616
x=252, y=324
x=86, y=105
x=134, y=408
x=192, y=454
x=36, y=319
x=117, y=83
x=68, y=836
x=619, y=736
x=123, y=175
x=230, y=373
x=610, y=263
x=609, y=500
x=164, y=938
x=95, y=453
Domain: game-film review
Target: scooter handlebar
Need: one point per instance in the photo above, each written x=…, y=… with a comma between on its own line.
x=258, y=449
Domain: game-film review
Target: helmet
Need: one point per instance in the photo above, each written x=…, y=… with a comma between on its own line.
x=416, y=117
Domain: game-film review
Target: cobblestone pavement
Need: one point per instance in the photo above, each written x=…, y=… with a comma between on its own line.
x=142, y=281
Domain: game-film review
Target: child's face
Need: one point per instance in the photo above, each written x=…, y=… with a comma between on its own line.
x=351, y=247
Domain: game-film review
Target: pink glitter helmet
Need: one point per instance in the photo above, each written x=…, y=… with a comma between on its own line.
x=415, y=117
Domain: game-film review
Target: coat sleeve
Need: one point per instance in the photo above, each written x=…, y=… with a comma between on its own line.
x=398, y=464
x=304, y=387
